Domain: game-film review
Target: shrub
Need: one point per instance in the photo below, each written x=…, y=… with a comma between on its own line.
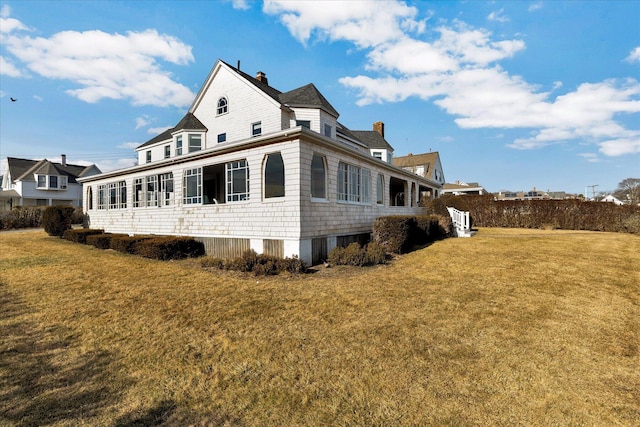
x=57, y=219
x=102, y=241
x=21, y=217
x=169, y=247
x=258, y=264
x=79, y=235
x=125, y=243
x=359, y=256
x=394, y=233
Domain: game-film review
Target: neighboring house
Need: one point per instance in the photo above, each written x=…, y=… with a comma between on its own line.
x=426, y=165
x=531, y=195
x=42, y=183
x=250, y=167
x=612, y=199
x=460, y=188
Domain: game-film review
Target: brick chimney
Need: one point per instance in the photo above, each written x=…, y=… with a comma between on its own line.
x=262, y=77
x=379, y=127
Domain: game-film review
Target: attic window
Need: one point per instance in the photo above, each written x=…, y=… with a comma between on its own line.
x=223, y=106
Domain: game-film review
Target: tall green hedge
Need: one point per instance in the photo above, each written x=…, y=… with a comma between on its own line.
x=561, y=214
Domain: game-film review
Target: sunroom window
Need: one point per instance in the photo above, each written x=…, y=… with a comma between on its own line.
x=318, y=178
x=274, y=176
x=237, y=181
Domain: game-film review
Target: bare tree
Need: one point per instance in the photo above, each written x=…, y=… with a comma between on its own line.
x=629, y=189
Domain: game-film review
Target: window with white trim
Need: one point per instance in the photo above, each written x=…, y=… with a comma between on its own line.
x=102, y=196
x=222, y=137
x=53, y=181
x=152, y=190
x=318, y=177
x=90, y=198
x=138, y=193
x=192, y=186
x=113, y=195
x=237, y=181
x=148, y=156
x=223, y=106
x=380, y=190
x=42, y=181
x=179, y=145
x=167, y=151
x=353, y=183
x=123, y=194
x=63, y=182
x=195, y=142
x=274, y=176
x=166, y=189
x=256, y=129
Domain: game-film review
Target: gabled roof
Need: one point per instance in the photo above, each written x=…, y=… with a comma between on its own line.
x=271, y=91
x=372, y=139
x=417, y=159
x=307, y=96
x=188, y=122
x=25, y=169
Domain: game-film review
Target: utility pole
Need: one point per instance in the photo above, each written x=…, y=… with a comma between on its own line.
x=593, y=190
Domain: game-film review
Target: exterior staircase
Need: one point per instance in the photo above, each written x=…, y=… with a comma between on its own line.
x=461, y=223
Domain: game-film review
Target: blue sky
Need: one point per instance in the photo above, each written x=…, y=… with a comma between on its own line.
x=513, y=95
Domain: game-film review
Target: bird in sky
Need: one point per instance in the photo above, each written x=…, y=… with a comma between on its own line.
x=13, y=99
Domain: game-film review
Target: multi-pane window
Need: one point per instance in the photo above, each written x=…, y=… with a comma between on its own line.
x=123, y=194
x=237, y=181
x=179, y=145
x=353, y=183
x=53, y=181
x=42, y=181
x=304, y=123
x=223, y=105
x=167, y=151
x=192, y=186
x=222, y=137
x=152, y=190
x=256, y=129
x=380, y=190
x=274, y=176
x=148, y=156
x=318, y=178
x=138, y=192
x=195, y=142
x=102, y=196
x=63, y=182
x=166, y=188
x=113, y=195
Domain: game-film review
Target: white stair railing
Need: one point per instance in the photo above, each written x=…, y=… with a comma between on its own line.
x=460, y=221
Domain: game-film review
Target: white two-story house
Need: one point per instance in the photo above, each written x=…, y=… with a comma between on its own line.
x=250, y=167
x=28, y=182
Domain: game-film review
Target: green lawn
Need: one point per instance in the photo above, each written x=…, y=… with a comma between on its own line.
x=510, y=327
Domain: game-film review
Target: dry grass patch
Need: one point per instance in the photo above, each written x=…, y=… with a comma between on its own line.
x=509, y=327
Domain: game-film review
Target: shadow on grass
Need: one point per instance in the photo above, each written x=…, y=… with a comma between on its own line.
x=45, y=379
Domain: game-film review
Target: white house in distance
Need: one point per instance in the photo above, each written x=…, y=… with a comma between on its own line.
x=250, y=167
x=28, y=182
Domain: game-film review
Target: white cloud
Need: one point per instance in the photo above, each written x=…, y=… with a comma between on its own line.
x=105, y=65
x=158, y=130
x=129, y=145
x=590, y=157
x=8, y=69
x=459, y=71
x=535, y=6
x=142, y=122
x=634, y=56
x=498, y=16
x=38, y=98
x=360, y=22
x=240, y=4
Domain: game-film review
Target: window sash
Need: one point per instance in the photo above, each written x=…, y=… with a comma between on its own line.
x=152, y=190
x=179, y=145
x=237, y=181
x=166, y=188
x=195, y=143
x=354, y=184
x=138, y=192
x=318, y=178
x=192, y=186
x=53, y=181
x=256, y=129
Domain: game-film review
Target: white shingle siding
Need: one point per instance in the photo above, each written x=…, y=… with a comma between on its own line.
x=294, y=219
